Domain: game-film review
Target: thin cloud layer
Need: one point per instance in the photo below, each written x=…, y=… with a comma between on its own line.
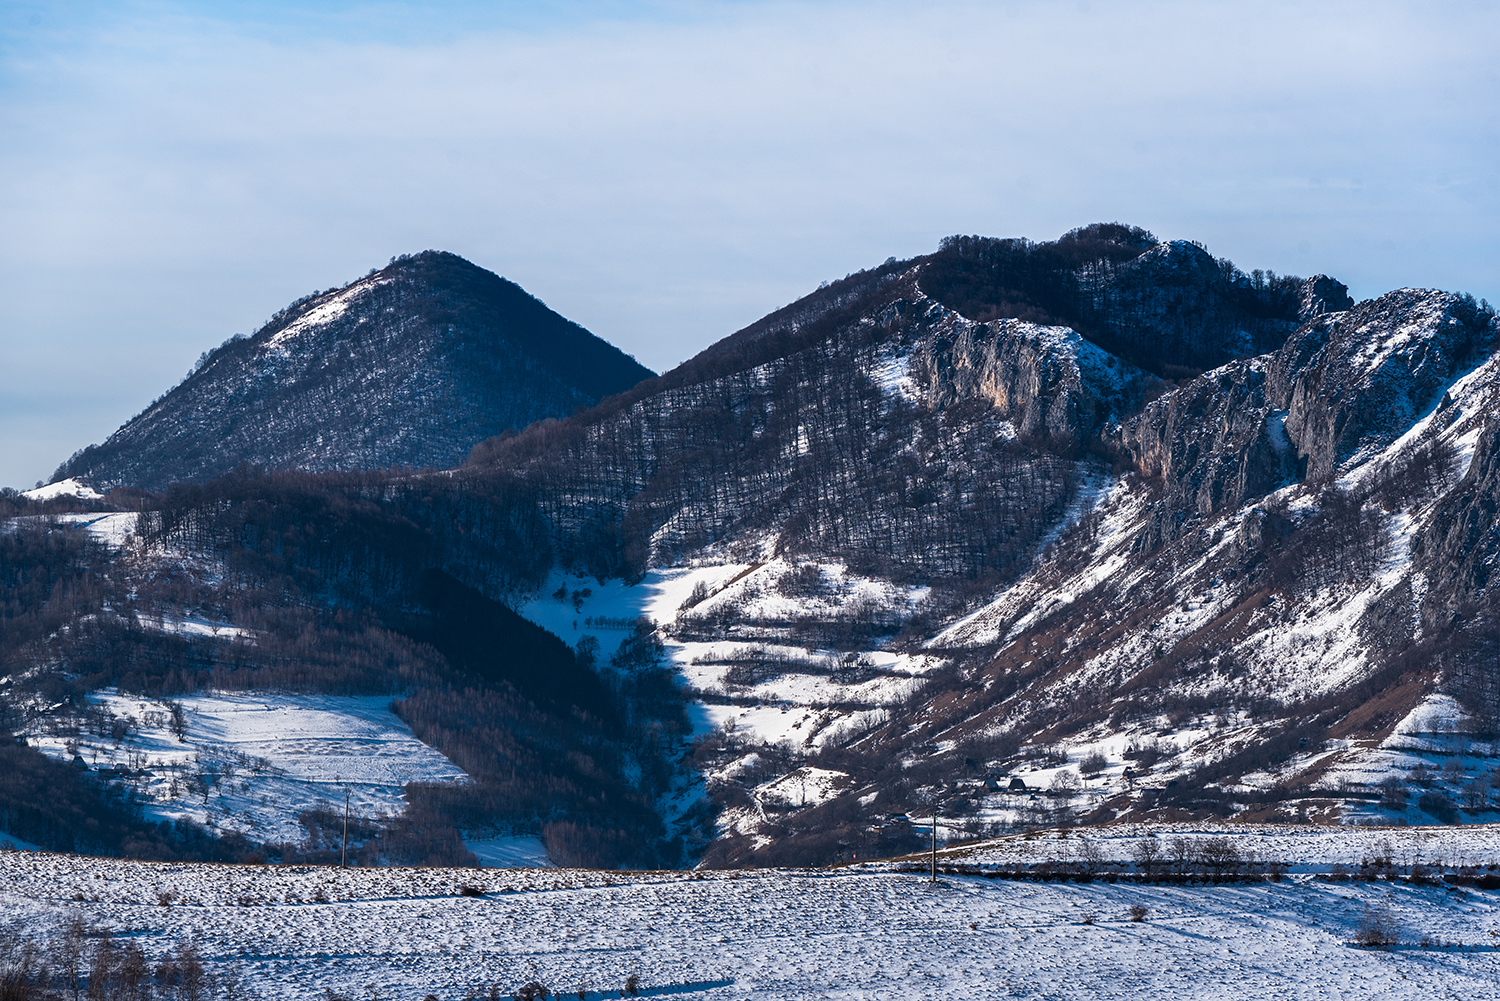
x=665, y=175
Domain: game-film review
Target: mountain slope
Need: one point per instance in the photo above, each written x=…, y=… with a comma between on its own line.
x=1248, y=590
x=886, y=421
x=409, y=366
x=1252, y=615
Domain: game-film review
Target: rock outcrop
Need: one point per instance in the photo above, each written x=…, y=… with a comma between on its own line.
x=1214, y=443
x=1342, y=387
x=1384, y=363
x=1049, y=382
x=1459, y=547
x=1321, y=294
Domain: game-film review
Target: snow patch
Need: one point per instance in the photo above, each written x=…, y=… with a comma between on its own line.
x=893, y=375
x=515, y=851
x=63, y=488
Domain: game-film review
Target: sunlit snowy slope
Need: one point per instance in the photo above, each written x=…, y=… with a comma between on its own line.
x=253, y=762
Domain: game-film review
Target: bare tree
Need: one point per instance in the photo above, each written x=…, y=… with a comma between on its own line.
x=1065, y=785
x=1219, y=854
x=1147, y=854
x=1180, y=850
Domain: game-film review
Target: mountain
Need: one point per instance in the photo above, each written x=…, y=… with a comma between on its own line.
x=408, y=366
x=1031, y=534
x=1245, y=557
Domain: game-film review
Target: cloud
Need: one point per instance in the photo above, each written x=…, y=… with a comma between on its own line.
x=665, y=174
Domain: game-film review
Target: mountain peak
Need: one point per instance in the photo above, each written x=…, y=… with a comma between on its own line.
x=410, y=365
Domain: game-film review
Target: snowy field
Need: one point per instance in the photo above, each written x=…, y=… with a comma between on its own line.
x=514, y=851
x=404, y=933
x=1303, y=849
x=252, y=762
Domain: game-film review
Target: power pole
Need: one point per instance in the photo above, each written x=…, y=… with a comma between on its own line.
x=344, y=854
x=934, y=844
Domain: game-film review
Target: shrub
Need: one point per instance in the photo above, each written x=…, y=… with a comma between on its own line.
x=470, y=891
x=1436, y=804
x=1092, y=764
x=1393, y=794
x=1376, y=928
x=1045, y=755
x=1138, y=912
x=1149, y=752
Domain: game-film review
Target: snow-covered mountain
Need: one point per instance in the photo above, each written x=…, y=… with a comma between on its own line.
x=940, y=553
x=1097, y=529
x=408, y=366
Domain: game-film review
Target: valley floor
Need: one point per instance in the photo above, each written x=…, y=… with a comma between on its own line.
x=293, y=932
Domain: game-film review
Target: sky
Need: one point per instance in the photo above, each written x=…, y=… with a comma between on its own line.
x=172, y=173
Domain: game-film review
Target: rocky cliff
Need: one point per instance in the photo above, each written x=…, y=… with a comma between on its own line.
x=1339, y=390
x=1382, y=364
x=1048, y=382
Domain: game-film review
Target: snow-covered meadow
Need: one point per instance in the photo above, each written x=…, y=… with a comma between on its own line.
x=293, y=932
x=252, y=762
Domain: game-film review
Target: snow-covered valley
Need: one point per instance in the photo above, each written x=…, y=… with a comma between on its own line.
x=297, y=932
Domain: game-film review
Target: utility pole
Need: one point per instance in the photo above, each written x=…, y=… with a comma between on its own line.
x=344, y=854
x=934, y=844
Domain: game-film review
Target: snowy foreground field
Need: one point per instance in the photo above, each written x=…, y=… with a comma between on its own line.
x=846, y=933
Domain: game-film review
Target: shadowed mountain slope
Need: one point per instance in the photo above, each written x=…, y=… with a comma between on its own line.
x=409, y=366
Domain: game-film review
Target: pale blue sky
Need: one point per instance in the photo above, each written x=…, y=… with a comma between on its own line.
x=173, y=173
